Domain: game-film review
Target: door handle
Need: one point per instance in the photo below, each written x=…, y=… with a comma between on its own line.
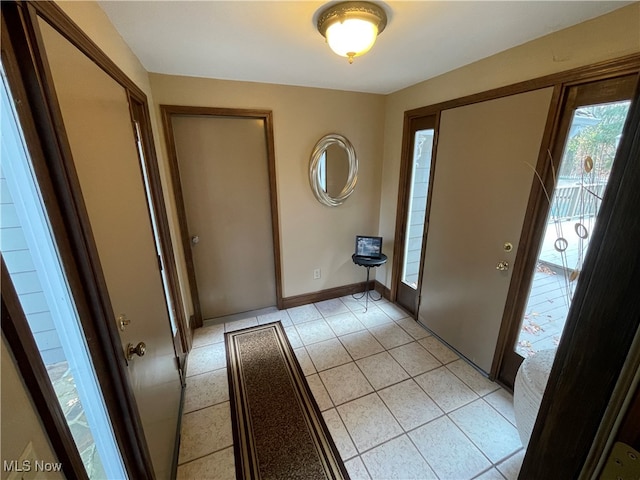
x=140, y=349
x=195, y=239
x=503, y=266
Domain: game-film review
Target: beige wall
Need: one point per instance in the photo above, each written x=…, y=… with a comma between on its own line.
x=610, y=36
x=311, y=235
x=21, y=423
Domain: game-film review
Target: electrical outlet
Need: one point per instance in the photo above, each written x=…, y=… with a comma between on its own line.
x=316, y=274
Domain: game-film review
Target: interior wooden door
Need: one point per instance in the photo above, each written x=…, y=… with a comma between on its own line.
x=224, y=178
x=98, y=126
x=481, y=182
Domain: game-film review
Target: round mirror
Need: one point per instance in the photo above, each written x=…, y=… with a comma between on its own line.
x=333, y=169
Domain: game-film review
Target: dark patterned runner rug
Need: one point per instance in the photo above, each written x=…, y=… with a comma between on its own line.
x=278, y=430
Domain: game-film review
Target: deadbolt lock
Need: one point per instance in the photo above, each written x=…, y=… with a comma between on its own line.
x=123, y=321
x=139, y=350
x=508, y=246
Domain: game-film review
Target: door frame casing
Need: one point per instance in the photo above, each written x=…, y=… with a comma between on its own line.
x=184, y=340
x=167, y=112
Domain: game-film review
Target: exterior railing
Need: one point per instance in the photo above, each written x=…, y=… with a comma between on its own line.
x=576, y=201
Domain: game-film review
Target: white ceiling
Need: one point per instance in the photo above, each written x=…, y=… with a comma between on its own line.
x=277, y=41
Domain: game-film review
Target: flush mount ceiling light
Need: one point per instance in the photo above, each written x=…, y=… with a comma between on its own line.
x=351, y=28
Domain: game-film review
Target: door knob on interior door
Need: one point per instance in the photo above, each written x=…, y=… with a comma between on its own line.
x=139, y=350
x=503, y=266
x=195, y=239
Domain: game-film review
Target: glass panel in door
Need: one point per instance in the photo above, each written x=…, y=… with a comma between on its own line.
x=417, y=206
x=582, y=176
x=418, y=192
x=31, y=256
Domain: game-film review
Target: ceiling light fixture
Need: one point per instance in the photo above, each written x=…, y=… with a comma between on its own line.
x=351, y=28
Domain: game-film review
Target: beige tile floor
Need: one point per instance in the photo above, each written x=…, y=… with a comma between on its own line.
x=398, y=402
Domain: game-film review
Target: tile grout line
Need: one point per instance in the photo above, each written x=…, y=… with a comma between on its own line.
x=205, y=455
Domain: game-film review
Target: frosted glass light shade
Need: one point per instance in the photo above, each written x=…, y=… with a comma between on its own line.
x=352, y=37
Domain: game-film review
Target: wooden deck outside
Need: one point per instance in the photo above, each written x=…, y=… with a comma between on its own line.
x=549, y=301
x=545, y=314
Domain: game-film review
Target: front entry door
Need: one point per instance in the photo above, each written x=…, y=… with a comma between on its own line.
x=98, y=126
x=224, y=177
x=481, y=183
x=577, y=175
